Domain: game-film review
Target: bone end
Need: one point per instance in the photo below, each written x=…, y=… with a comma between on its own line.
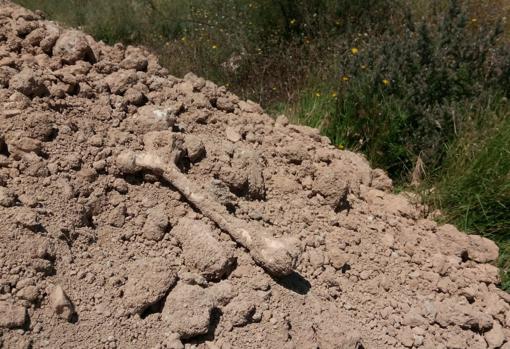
x=126, y=162
x=278, y=257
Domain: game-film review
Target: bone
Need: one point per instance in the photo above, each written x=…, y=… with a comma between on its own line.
x=276, y=256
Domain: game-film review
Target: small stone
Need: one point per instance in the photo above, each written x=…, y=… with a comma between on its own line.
x=232, y=135
x=195, y=148
x=27, y=218
x=338, y=258
x=406, y=337
x=135, y=97
x=240, y=312
x=151, y=118
x=333, y=185
x=42, y=265
x=7, y=197
x=24, y=27
x=156, y=224
x=52, y=34
x=119, y=82
x=188, y=310
x=73, y=46
x=451, y=313
x=495, y=337
x=29, y=293
x=40, y=126
x=222, y=292
x=61, y=304
x=12, y=112
x=282, y=120
x=295, y=153
x=173, y=341
x=365, y=274
x=250, y=107
x=482, y=250
x=388, y=240
x=88, y=174
x=12, y=316
x=38, y=327
x=418, y=340
x=225, y=104
x=134, y=59
x=121, y=186
x=27, y=145
x=381, y=181
x=28, y=83
x=45, y=250
x=414, y=319
x=117, y=216
x=96, y=141
x=245, y=176
x=148, y=282
x=73, y=161
x=316, y=258
x=99, y=165
x=456, y=341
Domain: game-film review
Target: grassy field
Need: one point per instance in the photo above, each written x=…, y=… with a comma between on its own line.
x=420, y=87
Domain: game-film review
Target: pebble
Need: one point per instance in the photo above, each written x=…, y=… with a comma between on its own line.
x=232, y=135
x=7, y=197
x=12, y=316
x=495, y=337
x=61, y=304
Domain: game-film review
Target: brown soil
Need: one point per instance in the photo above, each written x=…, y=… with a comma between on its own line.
x=97, y=255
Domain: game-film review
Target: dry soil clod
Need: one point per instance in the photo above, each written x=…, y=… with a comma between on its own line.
x=12, y=316
x=276, y=256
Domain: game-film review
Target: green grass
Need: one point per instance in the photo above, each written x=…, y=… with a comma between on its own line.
x=473, y=188
x=114, y=21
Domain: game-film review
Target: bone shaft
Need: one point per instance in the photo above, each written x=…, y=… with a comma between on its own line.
x=209, y=207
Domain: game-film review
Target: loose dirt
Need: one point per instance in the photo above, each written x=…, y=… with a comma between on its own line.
x=140, y=210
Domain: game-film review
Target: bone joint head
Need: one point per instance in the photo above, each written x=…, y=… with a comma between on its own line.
x=126, y=162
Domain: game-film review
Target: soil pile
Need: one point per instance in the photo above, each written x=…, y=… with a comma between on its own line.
x=140, y=210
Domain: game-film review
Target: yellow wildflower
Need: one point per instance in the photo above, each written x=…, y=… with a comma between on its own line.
x=354, y=51
x=214, y=47
x=292, y=21
x=341, y=147
x=333, y=94
x=386, y=82
x=345, y=78
x=473, y=20
x=363, y=66
x=317, y=94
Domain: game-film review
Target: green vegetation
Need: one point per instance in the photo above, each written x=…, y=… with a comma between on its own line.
x=405, y=82
x=474, y=187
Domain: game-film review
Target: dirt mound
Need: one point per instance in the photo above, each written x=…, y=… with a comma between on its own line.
x=140, y=210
